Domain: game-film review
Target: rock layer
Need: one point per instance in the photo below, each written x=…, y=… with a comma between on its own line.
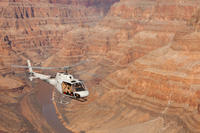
x=146, y=59
x=33, y=30
x=37, y=26
x=143, y=69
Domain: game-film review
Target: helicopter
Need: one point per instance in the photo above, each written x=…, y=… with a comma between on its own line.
x=63, y=82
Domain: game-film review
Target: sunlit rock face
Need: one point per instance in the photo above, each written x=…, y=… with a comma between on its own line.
x=144, y=59
x=34, y=29
x=33, y=25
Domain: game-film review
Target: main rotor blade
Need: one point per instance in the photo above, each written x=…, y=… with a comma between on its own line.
x=36, y=67
x=77, y=64
x=48, y=68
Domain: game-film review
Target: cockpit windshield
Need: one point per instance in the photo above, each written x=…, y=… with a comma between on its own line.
x=79, y=86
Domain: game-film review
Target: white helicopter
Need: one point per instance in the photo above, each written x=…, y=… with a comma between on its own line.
x=65, y=83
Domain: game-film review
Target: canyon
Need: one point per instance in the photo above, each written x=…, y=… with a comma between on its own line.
x=142, y=70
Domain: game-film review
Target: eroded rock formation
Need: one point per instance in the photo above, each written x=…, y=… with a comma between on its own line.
x=33, y=25
x=34, y=30
x=143, y=68
x=146, y=58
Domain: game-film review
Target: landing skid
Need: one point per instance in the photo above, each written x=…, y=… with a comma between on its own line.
x=75, y=98
x=65, y=98
x=79, y=99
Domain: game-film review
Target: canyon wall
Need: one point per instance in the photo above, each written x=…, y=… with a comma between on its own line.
x=144, y=62
x=141, y=68
x=34, y=29
x=36, y=25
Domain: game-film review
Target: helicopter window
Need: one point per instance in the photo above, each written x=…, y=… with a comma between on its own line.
x=53, y=76
x=67, y=88
x=67, y=84
x=79, y=87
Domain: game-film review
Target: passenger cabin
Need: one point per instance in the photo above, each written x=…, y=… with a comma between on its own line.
x=72, y=86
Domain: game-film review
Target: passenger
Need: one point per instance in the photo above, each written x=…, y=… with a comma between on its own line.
x=64, y=87
x=69, y=89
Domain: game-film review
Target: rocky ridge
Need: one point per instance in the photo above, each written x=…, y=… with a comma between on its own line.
x=143, y=70
x=146, y=59
x=33, y=30
x=35, y=26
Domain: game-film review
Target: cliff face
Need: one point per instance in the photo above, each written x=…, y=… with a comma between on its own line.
x=35, y=25
x=144, y=61
x=34, y=29
x=143, y=68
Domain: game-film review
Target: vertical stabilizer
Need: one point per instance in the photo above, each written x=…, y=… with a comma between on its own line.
x=30, y=70
x=29, y=65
